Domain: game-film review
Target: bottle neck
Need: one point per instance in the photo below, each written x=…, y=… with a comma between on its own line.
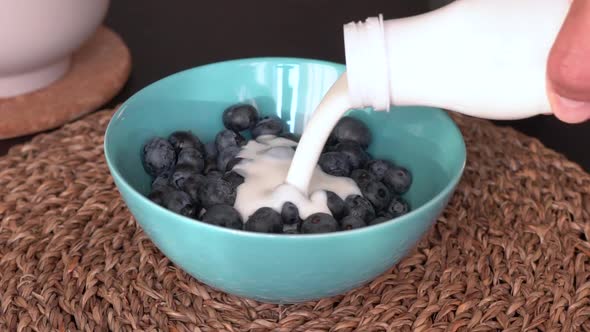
x=367, y=63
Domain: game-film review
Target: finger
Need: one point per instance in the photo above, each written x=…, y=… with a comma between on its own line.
x=568, y=67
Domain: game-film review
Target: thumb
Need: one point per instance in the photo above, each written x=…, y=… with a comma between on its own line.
x=568, y=67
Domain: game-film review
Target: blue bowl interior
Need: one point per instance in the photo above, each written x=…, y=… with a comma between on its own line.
x=410, y=136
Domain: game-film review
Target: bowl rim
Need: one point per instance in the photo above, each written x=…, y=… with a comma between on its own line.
x=447, y=190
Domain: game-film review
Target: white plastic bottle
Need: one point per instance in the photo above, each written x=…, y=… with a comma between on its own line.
x=484, y=58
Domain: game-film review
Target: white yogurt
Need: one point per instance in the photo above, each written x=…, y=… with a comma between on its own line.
x=265, y=165
x=274, y=173
x=316, y=132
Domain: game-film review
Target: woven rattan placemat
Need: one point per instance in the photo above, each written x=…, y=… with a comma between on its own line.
x=510, y=253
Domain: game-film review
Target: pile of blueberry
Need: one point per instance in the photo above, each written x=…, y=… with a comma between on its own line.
x=196, y=179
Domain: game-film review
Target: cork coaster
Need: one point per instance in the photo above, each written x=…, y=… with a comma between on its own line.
x=99, y=70
x=511, y=252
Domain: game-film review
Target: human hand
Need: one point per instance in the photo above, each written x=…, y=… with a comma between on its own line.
x=568, y=68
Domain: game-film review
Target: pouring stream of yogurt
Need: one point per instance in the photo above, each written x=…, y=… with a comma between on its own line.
x=332, y=107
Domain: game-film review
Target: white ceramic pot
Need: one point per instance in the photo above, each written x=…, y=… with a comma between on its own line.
x=38, y=37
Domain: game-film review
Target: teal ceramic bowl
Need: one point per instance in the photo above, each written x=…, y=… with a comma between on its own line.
x=280, y=268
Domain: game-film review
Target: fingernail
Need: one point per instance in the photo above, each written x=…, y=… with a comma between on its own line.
x=574, y=104
x=573, y=110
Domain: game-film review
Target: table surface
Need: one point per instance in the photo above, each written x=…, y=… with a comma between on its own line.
x=164, y=39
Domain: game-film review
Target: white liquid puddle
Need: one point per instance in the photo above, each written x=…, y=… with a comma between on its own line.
x=265, y=167
x=274, y=173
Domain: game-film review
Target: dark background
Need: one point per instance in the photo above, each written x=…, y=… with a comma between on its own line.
x=168, y=36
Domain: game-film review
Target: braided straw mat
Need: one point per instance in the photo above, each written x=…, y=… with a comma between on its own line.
x=510, y=253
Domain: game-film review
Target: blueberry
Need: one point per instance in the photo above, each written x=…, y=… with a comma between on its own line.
x=335, y=163
x=352, y=222
x=268, y=125
x=265, y=220
x=185, y=139
x=319, y=223
x=191, y=186
x=290, y=229
x=234, y=178
x=378, y=167
x=240, y=117
x=181, y=173
x=158, y=156
x=378, y=194
x=157, y=196
x=232, y=163
x=225, y=158
x=360, y=207
x=224, y=216
x=216, y=191
x=362, y=177
x=398, y=207
x=162, y=181
x=228, y=139
x=210, y=165
x=351, y=129
x=214, y=174
x=290, y=136
x=180, y=202
x=290, y=214
x=211, y=150
x=398, y=179
x=336, y=205
x=191, y=157
x=354, y=152
x=379, y=220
